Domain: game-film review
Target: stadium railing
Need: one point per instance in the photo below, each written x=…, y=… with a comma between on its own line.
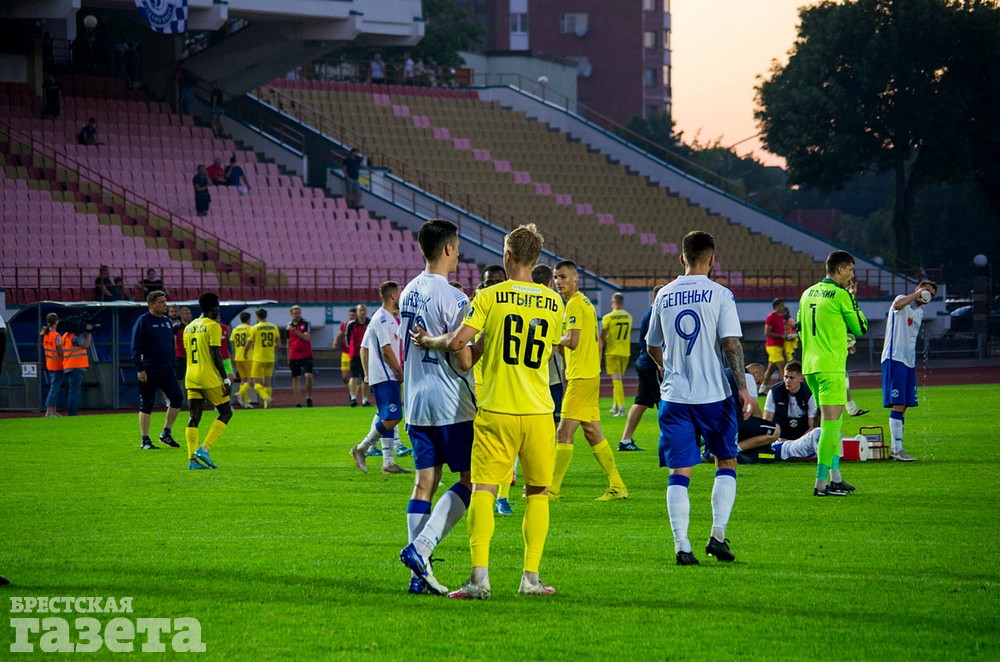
x=226, y=255
x=420, y=179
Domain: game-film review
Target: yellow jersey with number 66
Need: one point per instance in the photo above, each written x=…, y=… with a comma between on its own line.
x=521, y=323
x=266, y=338
x=200, y=336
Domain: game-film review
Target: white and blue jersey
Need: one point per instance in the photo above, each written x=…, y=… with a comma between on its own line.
x=899, y=355
x=901, y=330
x=381, y=331
x=690, y=318
x=435, y=392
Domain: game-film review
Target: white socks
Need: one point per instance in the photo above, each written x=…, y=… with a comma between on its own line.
x=447, y=511
x=679, y=509
x=723, y=498
x=896, y=432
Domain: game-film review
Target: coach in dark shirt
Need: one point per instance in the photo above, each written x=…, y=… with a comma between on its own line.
x=153, y=356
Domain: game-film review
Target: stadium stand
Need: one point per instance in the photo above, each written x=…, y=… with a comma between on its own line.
x=538, y=174
x=133, y=196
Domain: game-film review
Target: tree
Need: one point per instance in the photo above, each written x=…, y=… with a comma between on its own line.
x=904, y=86
x=449, y=29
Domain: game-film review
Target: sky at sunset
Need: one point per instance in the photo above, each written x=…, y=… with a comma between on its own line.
x=720, y=47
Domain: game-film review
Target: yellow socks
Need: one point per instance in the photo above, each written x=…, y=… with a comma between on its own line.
x=564, y=454
x=618, y=393
x=481, y=525
x=535, y=528
x=191, y=437
x=261, y=391
x=605, y=458
x=503, y=489
x=214, y=432
x=244, y=390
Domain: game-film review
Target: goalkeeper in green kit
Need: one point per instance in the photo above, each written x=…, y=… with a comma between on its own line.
x=828, y=312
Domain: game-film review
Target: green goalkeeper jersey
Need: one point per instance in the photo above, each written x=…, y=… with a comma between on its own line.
x=827, y=313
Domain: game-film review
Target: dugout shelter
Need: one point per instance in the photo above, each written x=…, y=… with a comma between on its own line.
x=110, y=382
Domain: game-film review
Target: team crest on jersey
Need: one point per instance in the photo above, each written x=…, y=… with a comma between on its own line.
x=572, y=320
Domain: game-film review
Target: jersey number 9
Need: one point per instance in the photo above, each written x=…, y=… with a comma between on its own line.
x=689, y=331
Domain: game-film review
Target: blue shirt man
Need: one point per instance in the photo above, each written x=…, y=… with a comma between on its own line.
x=153, y=356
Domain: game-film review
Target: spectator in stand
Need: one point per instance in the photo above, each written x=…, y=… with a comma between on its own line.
x=376, y=73
x=151, y=283
x=353, y=163
x=118, y=290
x=179, y=354
x=409, y=70
x=183, y=96
x=217, y=99
x=75, y=363
x=52, y=343
x=103, y=286
x=236, y=177
x=52, y=96
x=202, y=198
x=216, y=173
x=133, y=65
x=300, y=355
x=88, y=134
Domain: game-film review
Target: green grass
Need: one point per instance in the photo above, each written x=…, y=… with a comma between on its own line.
x=288, y=552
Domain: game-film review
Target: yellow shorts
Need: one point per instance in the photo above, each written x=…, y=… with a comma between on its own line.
x=244, y=369
x=345, y=362
x=582, y=400
x=262, y=370
x=790, y=347
x=775, y=353
x=216, y=395
x=615, y=365
x=500, y=438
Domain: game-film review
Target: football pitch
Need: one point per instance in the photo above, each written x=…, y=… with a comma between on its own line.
x=288, y=552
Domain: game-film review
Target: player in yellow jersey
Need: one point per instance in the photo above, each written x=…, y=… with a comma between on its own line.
x=240, y=336
x=205, y=379
x=264, y=340
x=582, y=402
x=492, y=275
x=520, y=323
x=616, y=335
